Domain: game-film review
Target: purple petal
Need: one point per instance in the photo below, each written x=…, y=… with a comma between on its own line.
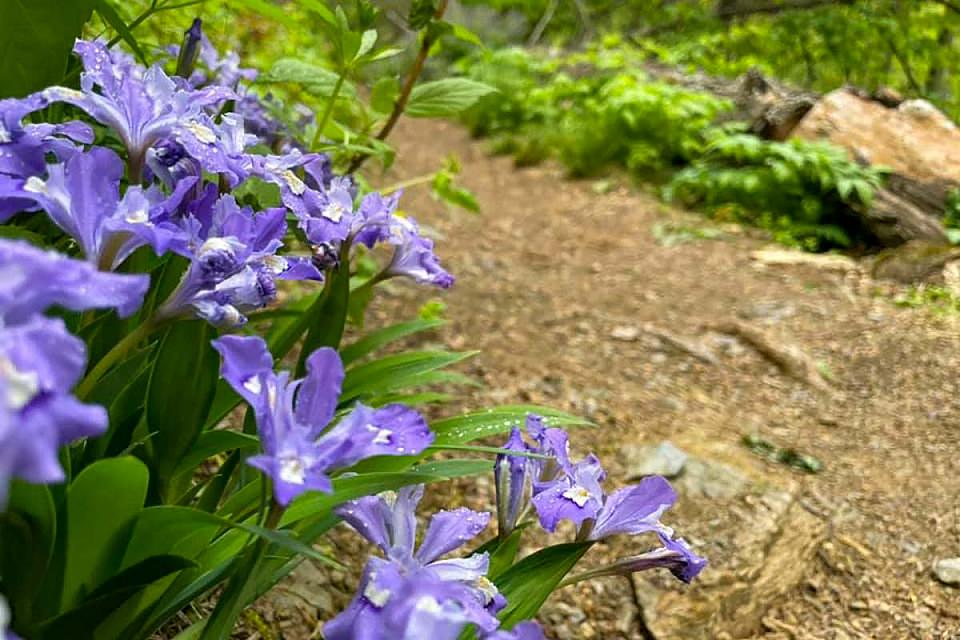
x=370, y=516
x=247, y=366
x=320, y=390
x=449, y=530
x=635, y=509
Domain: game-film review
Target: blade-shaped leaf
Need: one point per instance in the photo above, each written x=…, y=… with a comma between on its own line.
x=498, y=420
x=527, y=584
x=382, y=337
x=394, y=371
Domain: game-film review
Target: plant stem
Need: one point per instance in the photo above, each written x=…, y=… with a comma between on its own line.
x=412, y=182
x=328, y=111
x=113, y=356
x=408, y=84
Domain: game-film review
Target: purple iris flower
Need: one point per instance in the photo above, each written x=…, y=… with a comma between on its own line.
x=413, y=255
x=414, y=594
x=575, y=496
x=140, y=105
x=233, y=261
x=675, y=555
x=40, y=361
x=294, y=417
x=217, y=147
x=324, y=214
x=82, y=196
x=23, y=149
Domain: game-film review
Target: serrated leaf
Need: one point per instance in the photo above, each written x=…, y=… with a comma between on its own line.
x=314, y=78
x=446, y=97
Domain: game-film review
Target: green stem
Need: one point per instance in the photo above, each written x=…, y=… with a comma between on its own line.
x=327, y=112
x=113, y=356
x=412, y=182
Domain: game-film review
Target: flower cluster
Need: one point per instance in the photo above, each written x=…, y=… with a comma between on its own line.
x=173, y=139
x=301, y=445
x=559, y=489
x=41, y=361
x=412, y=593
x=169, y=191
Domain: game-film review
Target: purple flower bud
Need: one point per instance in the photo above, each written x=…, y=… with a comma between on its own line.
x=512, y=479
x=190, y=49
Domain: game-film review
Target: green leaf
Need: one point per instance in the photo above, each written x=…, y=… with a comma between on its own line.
x=38, y=36
x=327, y=317
x=28, y=530
x=488, y=422
x=394, y=371
x=527, y=584
x=367, y=40
x=384, y=94
x=102, y=503
x=502, y=557
x=180, y=394
x=81, y=622
x=365, y=484
x=109, y=14
x=270, y=10
x=382, y=337
x=315, y=79
x=211, y=443
x=446, y=97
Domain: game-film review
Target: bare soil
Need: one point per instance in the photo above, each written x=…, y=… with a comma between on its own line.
x=556, y=284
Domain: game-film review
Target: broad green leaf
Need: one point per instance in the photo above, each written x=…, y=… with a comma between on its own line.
x=38, y=36
x=180, y=394
x=384, y=94
x=446, y=97
x=81, y=622
x=382, y=337
x=315, y=79
x=527, y=584
x=28, y=530
x=102, y=503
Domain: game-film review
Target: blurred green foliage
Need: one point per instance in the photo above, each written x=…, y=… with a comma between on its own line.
x=596, y=110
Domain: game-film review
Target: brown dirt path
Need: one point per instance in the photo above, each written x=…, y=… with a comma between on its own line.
x=555, y=280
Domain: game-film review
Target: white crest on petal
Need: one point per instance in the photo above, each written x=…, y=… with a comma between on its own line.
x=378, y=597
x=292, y=471
x=577, y=494
x=201, y=132
x=383, y=435
x=252, y=384
x=333, y=212
x=20, y=386
x=33, y=184
x=293, y=182
x=276, y=264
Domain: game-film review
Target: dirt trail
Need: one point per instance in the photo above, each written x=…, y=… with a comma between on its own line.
x=556, y=284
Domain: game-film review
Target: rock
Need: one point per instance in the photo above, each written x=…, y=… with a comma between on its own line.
x=710, y=479
x=786, y=257
x=947, y=571
x=916, y=262
x=916, y=141
x=768, y=311
x=625, y=334
x=769, y=549
x=664, y=459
